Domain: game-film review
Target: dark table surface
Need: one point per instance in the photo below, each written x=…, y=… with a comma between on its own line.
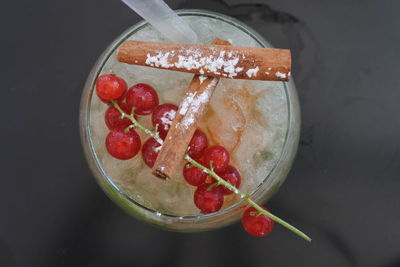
x=344, y=187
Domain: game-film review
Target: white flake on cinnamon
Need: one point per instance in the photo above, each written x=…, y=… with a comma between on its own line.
x=187, y=121
x=238, y=69
x=252, y=72
x=186, y=103
x=223, y=64
x=280, y=75
x=200, y=99
x=187, y=62
x=202, y=78
x=159, y=60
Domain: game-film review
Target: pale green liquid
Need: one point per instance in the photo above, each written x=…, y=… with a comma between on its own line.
x=261, y=137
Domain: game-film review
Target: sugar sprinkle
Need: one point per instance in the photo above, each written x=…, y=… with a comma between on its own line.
x=224, y=64
x=197, y=102
x=202, y=78
x=167, y=118
x=186, y=103
x=252, y=72
x=280, y=75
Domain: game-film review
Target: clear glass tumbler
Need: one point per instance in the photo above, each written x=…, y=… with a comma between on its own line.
x=226, y=28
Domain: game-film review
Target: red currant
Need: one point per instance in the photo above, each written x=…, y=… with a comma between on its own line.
x=150, y=151
x=113, y=118
x=208, y=201
x=143, y=97
x=193, y=175
x=110, y=87
x=123, y=145
x=231, y=175
x=163, y=115
x=255, y=225
x=198, y=144
x=219, y=157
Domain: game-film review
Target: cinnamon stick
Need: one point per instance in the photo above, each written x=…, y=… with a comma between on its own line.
x=192, y=107
x=217, y=60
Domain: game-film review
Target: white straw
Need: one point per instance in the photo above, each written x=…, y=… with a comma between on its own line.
x=164, y=19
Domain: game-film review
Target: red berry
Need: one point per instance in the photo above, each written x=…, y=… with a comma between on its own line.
x=255, y=225
x=150, y=151
x=219, y=157
x=143, y=97
x=113, y=118
x=198, y=144
x=193, y=175
x=123, y=145
x=110, y=87
x=163, y=115
x=208, y=201
x=232, y=176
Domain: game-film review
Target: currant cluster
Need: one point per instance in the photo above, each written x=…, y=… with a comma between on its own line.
x=123, y=142
x=208, y=196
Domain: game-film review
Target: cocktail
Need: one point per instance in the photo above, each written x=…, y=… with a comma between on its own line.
x=256, y=121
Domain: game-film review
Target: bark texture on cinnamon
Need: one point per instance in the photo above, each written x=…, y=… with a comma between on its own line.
x=192, y=107
x=217, y=60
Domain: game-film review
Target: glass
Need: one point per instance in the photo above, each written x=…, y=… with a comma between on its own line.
x=261, y=193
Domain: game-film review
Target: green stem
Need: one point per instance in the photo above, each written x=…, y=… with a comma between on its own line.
x=246, y=198
x=213, y=174
x=210, y=171
x=136, y=124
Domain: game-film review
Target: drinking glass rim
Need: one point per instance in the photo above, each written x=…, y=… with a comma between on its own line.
x=85, y=131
